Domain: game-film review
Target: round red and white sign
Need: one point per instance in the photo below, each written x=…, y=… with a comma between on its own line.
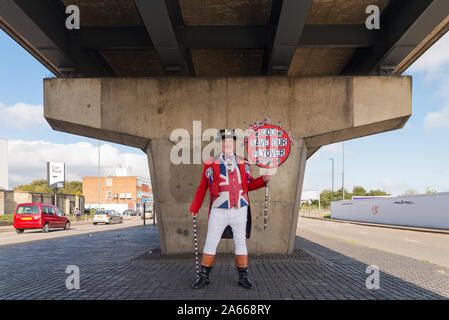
x=268, y=146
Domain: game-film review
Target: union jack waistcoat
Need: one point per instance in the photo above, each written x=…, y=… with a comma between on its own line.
x=210, y=180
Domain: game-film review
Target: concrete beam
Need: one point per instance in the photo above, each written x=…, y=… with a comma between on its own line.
x=39, y=27
x=156, y=17
x=143, y=112
x=291, y=24
x=228, y=37
x=47, y=40
x=311, y=106
x=405, y=24
x=275, y=13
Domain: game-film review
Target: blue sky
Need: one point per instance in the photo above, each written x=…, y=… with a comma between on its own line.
x=32, y=142
x=415, y=157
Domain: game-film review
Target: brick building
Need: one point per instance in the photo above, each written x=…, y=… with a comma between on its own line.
x=67, y=203
x=117, y=192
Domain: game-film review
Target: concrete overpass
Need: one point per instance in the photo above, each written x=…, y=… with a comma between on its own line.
x=136, y=70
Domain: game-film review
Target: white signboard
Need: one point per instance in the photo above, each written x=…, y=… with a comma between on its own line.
x=56, y=174
x=310, y=195
x=428, y=211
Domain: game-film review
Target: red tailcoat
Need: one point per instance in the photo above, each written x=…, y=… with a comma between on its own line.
x=211, y=172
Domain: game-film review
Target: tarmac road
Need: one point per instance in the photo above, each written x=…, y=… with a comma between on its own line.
x=11, y=237
x=424, y=246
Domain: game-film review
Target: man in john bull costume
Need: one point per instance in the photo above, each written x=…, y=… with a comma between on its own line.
x=228, y=178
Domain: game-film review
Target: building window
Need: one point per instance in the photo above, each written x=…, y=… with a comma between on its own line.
x=108, y=182
x=109, y=194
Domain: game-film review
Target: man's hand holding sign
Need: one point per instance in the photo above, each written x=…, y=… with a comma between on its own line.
x=268, y=148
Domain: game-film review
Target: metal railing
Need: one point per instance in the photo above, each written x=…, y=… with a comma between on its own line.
x=307, y=212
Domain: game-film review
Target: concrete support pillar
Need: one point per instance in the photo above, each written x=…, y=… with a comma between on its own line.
x=174, y=187
x=143, y=112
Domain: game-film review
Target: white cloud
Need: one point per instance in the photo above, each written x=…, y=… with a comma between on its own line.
x=434, y=65
x=436, y=120
x=28, y=160
x=22, y=115
x=435, y=61
x=335, y=147
x=393, y=187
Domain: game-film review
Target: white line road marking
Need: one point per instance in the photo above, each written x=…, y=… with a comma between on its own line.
x=415, y=241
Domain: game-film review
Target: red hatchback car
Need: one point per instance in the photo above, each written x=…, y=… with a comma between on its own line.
x=39, y=216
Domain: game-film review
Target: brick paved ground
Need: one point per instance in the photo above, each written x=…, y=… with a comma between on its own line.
x=118, y=265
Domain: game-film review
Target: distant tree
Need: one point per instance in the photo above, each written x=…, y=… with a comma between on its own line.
x=377, y=193
x=338, y=195
x=325, y=198
x=35, y=186
x=71, y=187
x=430, y=191
x=410, y=192
x=326, y=195
x=358, y=191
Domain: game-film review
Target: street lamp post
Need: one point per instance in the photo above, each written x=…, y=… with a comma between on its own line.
x=332, y=194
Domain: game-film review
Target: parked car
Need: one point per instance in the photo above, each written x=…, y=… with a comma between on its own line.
x=39, y=216
x=107, y=217
x=149, y=214
x=131, y=213
x=128, y=213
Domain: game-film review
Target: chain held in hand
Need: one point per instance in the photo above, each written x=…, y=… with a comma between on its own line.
x=265, y=216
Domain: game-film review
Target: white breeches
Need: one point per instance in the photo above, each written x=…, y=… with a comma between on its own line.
x=219, y=219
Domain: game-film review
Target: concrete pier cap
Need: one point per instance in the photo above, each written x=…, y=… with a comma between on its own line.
x=144, y=112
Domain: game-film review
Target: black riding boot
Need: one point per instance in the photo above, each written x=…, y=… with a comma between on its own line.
x=244, y=280
x=203, y=278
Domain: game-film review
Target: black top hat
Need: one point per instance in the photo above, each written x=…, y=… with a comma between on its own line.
x=226, y=134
